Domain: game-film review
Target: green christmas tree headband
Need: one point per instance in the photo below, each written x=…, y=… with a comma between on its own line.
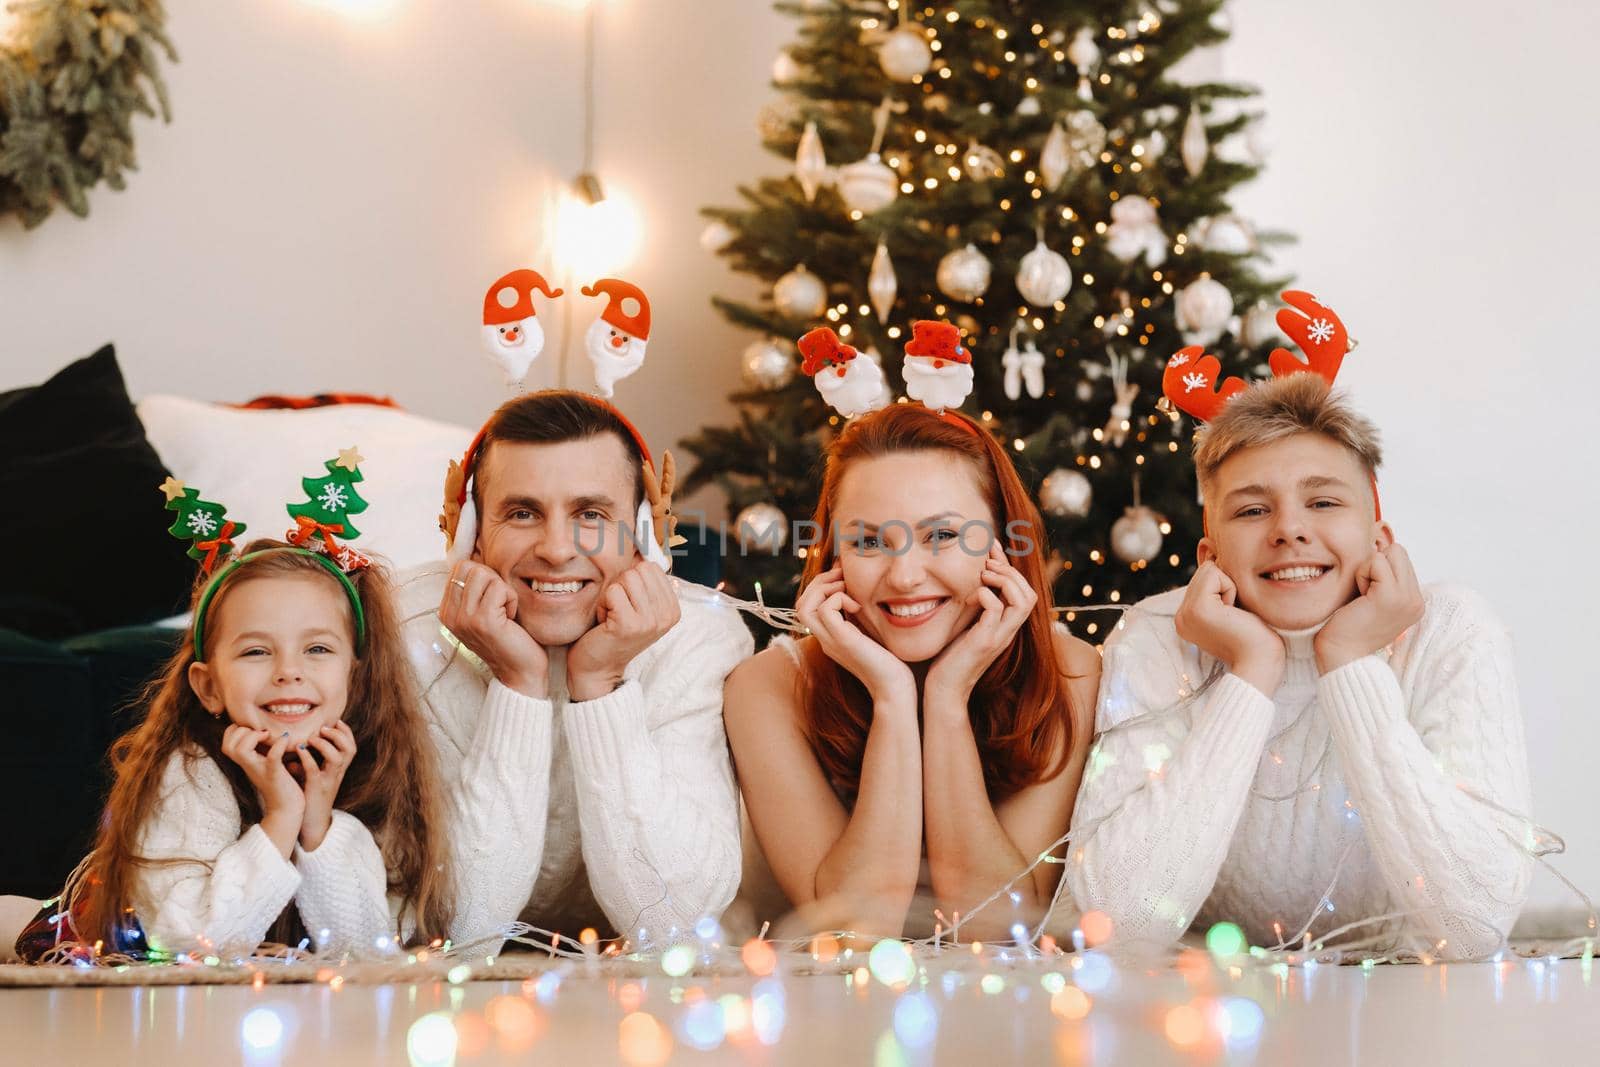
x=319, y=521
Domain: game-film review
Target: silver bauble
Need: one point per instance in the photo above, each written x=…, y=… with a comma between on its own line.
x=882, y=285
x=1136, y=536
x=766, y=365
x=1194, y=147
x=810, y=163
x=1259, y=325
x=800, y=294
x=982, y=162
x=716, y=236
x=1083, y=53
x=1043, y=276
x=1065, y=493
x=1203, y=308
x=1229, y=234
x=904, y=54
x=1028, y=106
x=963, y=274
x=784, y=68
x=868, y=185
x=762, y=528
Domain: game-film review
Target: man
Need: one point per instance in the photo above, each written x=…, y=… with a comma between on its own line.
x=575, y=696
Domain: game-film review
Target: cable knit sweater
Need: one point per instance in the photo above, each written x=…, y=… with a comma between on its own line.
x=618, y=811
x=1239, y=807
x=232, y=883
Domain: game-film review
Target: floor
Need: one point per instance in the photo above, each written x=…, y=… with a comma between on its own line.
x=1085, y=1011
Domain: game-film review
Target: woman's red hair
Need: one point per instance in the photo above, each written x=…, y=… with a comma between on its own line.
x=1020, y=709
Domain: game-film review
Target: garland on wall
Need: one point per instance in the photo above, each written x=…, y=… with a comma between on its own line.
x=73, y=74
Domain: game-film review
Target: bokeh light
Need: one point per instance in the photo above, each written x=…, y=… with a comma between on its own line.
x=642, y=1041
x=1225, y=940
x=431, y=1041
x=890, y=962
x=916, y=1021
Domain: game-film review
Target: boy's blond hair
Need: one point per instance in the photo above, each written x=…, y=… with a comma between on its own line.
x=1274, y=410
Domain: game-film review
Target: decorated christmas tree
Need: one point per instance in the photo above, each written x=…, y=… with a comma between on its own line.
x=1033, y=172
x=331, y=501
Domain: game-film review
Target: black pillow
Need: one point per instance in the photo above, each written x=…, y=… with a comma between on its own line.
x=83, y=532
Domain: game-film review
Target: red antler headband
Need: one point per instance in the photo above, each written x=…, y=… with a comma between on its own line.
x=1190, y=380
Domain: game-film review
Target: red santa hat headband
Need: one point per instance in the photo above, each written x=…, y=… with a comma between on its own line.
x=656, y=523
x=1190, y=381
x=938, y=372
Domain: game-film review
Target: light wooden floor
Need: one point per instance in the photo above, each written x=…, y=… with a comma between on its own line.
x=1539, y=1013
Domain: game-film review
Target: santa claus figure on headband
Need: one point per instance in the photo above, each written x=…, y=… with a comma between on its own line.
x=511, y=330
x=850, y=385
x=616, y=340
x=937, y=369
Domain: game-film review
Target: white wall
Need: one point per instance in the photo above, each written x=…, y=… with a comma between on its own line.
x=343, y=179
x=1436, y=160
x=337, y=190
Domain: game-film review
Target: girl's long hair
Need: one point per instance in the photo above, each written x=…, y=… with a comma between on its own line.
x=392, y=785
x=1021, y=708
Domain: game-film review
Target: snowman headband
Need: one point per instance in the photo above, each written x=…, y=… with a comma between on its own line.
x=936, y=343
x=1190, y=382
x=654, y=523
x=319, y=522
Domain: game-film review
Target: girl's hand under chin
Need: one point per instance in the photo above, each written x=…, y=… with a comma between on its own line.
x=336, y=745
x=283, y=803
x=1005, y=600
x=824, y=607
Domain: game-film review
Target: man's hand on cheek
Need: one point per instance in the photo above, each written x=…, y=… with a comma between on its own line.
x=481, y=610
x=1388, y=602
x=635, y=610
x=1212, y=621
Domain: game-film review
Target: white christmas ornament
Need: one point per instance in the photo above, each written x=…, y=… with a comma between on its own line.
x=1074, y=145
x=762, y=527
x=1136, y=536
x=1120, y=422
x=1228, y=234
x=982, y=162
x=716, y=236
x=810, y=163
x=882, y=285
x=785, y=69
x=1024, y=366
x=1203, y=308
x=1259, y=325
x=868, y=185
x=1135, y=231
x=905, y=55
x=1194, y=148
x=1028, y=106
x=765, y=365
x=1085, y=55
x=963, y=274
x=1043, y=276
x=1065, y=494
x=800, y=294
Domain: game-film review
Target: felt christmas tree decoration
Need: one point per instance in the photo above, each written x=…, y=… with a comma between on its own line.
x=202, y=522
x=324, y=517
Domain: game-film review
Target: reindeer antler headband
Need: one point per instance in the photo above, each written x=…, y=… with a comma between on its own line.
x=656, y=525
x=1190, y=381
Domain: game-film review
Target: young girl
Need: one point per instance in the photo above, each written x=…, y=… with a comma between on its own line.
x=924, y=745
x=282, y=760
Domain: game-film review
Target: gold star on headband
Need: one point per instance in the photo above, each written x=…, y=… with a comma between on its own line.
x=172, y=489
x=349, y=458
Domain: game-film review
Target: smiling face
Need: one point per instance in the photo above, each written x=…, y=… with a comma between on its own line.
x=279, y=655
x=1291, y=522
x=911, y=548
x=552, y=516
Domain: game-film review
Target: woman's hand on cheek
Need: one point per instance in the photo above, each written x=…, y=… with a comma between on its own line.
x=336, y=744
x=283, y=802
x=1005, y=601
x=828, y=612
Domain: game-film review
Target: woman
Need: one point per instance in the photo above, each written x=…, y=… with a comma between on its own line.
x=924, y=745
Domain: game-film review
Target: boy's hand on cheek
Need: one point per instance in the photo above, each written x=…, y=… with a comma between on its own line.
x=1212, y=621
x=1388, y=602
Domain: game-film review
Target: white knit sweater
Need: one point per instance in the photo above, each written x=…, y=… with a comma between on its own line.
x=619, y=811
x=232, y=883
x=1240, y=807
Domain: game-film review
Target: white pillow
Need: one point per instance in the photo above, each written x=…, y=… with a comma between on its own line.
x=252, y=462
